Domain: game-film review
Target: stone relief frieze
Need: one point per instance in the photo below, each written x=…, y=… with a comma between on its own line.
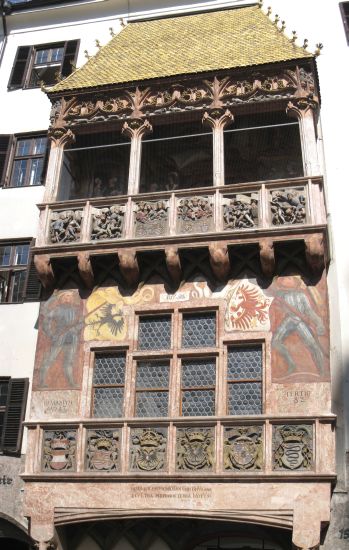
x=195, y=214
x=151, y=218
x=103, y=450
x=181, y=96
x=107, y=223
x=243, y=448
x=288, y=206
x=65, y=226
x=59, y=450
x=195, y=449
x=293, y=447
x=241, y=211
x=148, y=449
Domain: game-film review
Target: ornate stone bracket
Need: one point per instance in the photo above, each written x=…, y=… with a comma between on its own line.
x=218, y=118
x=44, y=269
x=45, y=545
x=267, y=257
x=129, y=266
x=136, y=127
x=85, y=269
x=315, y=253
x=219, y=261
x=173, y=263
x=300, y=106
x=60, y=137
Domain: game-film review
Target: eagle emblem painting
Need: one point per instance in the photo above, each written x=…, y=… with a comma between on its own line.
x=247, y=308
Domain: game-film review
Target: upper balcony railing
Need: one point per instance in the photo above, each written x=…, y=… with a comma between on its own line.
x=240, y=210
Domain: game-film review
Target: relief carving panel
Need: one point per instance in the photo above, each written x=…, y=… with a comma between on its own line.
x=59, y=452
x=103, y=450
x=148, y=449
x=65, y=226
x=243, y=448
x=195, y=449
x=288, y=206
x=241, y=211
x=195, y=215
x=293, y=447
x=151, y=219
x=107, y=223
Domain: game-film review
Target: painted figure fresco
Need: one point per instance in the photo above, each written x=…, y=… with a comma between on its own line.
x=247, y=307
x=300, y=332
x=61, y=322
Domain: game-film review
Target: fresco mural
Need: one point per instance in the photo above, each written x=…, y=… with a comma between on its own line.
x=59, y=349
x=247, y=307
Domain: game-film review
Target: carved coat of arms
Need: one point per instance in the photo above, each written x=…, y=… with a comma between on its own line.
x=59, y=450
x=243, y=448
x=102, y=450
x=247, y=308
x=195, y=449
x=293, y=447
x=148, y=449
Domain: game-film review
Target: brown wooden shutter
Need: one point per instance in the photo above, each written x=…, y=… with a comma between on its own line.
x=5, y=147
x=14, y=415
x=32, y=285
x=20, y=66
x=344, y=7
x=70, y=55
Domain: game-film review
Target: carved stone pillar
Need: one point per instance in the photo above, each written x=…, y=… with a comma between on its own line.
x=135, y=129
x=218, y=119
x=303, y=109
x=60, y=137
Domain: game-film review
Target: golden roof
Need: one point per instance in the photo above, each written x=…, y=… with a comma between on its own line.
x=188, y=44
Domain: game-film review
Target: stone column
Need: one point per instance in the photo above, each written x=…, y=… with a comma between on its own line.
x=60, y=137
x=135, y=129
x=303, y=109
x=311, y=512
x=218, y=119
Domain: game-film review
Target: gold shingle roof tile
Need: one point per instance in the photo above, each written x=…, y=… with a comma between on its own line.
x=188, y=44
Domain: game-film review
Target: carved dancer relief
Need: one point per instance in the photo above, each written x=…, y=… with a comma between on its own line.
x=107, y=223
x=151, y=219
x=293, y=447
x=102, y=452
x=288, y=206
x=181, y=96
x=148, y=449
x=59, y=451
x=241, y=212
x=195, y=449
x=65, y=226
x=195, y=214
x=243, y=448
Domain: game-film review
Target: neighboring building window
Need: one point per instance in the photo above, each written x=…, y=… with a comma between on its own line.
x=344, y=7
x=42, y=64
x=108, y=385
x=13, y=398
x=244, y=380
x=13, y=268
x=191, y=360
x=23, y=160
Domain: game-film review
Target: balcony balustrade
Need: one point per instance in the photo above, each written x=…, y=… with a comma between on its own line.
x=237, y=212
x=259, y=446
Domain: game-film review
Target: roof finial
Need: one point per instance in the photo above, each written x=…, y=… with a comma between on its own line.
x=319, y=47
x=305, y=43
x=112, y=33
x=87, y=55
x=277, y=19
x=260, y=3
x=294, y=36
x=98, y=44
x=283, y=26
x=122, y=22
x=269, y=10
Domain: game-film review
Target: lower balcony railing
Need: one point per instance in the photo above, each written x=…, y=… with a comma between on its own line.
x=245, y=208
x=258, y=446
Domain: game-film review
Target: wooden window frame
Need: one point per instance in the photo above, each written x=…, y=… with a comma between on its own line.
x=116, y=352
x=31, y=286
x=12, y=157
x=12, y=431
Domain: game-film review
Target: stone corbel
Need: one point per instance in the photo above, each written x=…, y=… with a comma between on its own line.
x=85, y=269
x=301, y=106
x=219, y=261
x=267, y=257
x=136, y=127
x=173, y=263
x=217, y=118
x=44, y=270
x=315, y=253
x=60, y=136
x=129, y=266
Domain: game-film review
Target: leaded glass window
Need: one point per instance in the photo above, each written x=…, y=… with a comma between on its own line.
x=154, y=332
x=198, y=387
x=244, y=380
x=108, y=385
x=152, y=387
x=199, y=330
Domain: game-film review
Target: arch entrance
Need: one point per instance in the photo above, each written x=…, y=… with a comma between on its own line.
x=172, y=534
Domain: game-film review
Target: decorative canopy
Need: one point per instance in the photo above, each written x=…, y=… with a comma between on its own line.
x=199, y=43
